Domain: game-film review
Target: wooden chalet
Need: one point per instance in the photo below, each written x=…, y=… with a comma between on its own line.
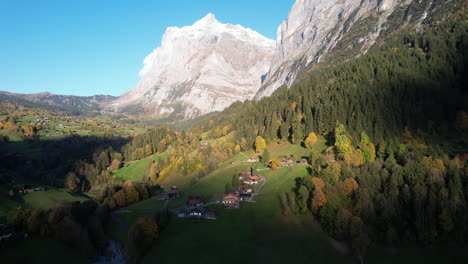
x=171, y=194
x=244, y=175
x=254, y=178
x=194, y=202
x=247, y=189
x=231, y=200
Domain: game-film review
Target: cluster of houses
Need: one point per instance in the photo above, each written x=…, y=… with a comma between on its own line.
x=248, y=178
x=195, y=209
x=19, y=188
x=235, y=196
x=290, y=162
x=42, y=122
x=7, y=233
x=25, y=189
x=170, y=194
x=245, y=193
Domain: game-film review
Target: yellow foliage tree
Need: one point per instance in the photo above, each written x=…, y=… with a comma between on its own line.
x=310, y=140
x=275, y=164
x=148, y=150
x=260, y=144
x=237, y=148
x=115, y=165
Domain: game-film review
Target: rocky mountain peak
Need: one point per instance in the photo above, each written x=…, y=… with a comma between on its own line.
x=209, y=19
x=199, y=69
x=318, y=31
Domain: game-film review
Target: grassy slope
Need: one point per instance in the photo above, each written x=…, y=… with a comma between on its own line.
x=51, y=198
x=38, y=200
x=137, y=170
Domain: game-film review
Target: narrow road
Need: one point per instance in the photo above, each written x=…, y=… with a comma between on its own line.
x=257, y=192
x=193, y=207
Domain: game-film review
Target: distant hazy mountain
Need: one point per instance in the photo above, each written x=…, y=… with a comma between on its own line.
x=332, y=31
x=200, y=69
x=59, y=102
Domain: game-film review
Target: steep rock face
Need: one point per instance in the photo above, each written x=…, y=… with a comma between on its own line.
x=201, y=68
x=318, y=30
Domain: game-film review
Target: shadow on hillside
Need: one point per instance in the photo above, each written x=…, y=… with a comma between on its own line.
x=47, y=162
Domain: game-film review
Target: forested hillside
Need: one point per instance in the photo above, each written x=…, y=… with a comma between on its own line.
x=416, y=81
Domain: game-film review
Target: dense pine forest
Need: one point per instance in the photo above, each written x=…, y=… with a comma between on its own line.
x=417, y=81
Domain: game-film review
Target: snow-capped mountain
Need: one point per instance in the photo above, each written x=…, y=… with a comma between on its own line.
x=200, y=69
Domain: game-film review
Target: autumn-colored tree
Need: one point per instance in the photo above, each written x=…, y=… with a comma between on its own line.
x=343, y=146
x=104, y=158
x=318, y=183
x=332, y=173
x=349, y=186
x=72, y=182
x=112, y=203
x=115, y=165
x=131, y=195
x=368, y=152
x=438, y=164
x=119, y=198
x=237, y=148
x=148, y=150
x=243, y=144
x=357, y=158
x=152, y=175
x=140, y=153
x=118, y=156
x=318, y=200
x=310, y=140
x=29, y=130
x=141, y=237
x=225, y=130
x=260, y=144
x=275, y=164
x=217, y=133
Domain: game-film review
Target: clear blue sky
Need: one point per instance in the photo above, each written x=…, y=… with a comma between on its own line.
x=87, y=47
